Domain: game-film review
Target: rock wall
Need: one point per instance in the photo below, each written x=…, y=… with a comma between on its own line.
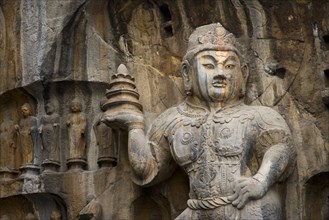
x=57, y=51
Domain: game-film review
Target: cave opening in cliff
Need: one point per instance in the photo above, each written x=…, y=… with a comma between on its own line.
x=166, y=20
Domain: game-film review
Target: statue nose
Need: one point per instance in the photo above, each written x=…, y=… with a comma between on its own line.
x=220, y=74
x=219, y=77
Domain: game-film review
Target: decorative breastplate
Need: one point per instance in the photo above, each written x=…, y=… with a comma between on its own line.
x=210, y=149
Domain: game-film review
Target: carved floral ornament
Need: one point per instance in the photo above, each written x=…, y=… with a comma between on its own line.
x=217, y=36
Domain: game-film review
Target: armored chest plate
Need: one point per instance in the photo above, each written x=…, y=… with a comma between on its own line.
x=220, y=138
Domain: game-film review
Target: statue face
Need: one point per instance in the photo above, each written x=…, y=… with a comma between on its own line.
x=216, y=75
x=25, y=111
x=75, y=106
x=49, y=109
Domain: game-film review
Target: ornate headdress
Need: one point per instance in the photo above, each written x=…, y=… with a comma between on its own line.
x=210, y=37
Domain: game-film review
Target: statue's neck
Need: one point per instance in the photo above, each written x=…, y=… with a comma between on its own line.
x=211, y=106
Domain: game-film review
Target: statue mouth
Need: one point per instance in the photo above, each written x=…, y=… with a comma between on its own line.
x=219, y=83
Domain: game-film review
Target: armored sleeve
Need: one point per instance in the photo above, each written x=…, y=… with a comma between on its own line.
x=274, y=136
x=159, y=146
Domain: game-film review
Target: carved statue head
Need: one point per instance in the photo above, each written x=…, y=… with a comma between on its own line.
x=212, y=68
x=26, y=110
x=76, y=105
x=49, y=108
x=55, y=215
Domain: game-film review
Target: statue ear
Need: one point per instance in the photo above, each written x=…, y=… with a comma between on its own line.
x=185, y=69
x=245, y=75
x=245, y=72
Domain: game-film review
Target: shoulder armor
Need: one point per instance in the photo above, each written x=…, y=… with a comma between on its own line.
x=269, y=119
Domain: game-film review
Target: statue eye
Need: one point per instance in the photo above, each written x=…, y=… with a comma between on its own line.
x=209, y=66
x=230, y=66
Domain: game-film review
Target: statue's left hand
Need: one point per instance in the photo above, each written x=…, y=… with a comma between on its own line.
x=246, y=189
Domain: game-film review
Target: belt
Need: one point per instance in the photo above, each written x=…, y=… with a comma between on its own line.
x=207, y=203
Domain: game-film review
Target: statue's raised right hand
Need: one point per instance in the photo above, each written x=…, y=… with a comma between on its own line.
x=122, y=108
x=125, y=119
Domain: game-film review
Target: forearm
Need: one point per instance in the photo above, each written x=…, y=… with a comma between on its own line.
x=140, y=155
x=274, y=163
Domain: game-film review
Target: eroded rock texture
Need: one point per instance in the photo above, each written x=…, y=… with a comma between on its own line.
x=58, y=51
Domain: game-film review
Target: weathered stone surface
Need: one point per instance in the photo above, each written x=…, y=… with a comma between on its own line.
x=58, y=50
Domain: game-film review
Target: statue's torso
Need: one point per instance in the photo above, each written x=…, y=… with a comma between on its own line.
x=50, y=132
x=77, y=122
x=26, y=124
x=214, y=149
x=104, y=136
x=48, y=121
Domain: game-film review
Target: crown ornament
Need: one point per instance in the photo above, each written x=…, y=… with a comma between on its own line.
x=210, y=37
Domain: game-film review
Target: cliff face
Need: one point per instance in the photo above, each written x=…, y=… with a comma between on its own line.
x=57, y=51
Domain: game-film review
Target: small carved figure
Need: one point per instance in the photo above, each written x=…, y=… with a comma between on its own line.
x=49, y=130
x=233, y=154
x=105, y=143
x=7, y=143
x=27, y=134
x=55, y=215
x=76, y=124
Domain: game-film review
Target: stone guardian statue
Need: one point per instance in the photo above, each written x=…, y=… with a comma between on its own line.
x=233, y=154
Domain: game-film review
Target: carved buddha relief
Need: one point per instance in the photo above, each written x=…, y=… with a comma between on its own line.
x=27, y=134
x=106, y=146
x=49, y=131
x=76, y=127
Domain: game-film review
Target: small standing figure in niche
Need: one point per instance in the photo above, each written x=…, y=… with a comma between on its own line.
x=106, y=145
x=76, y=123
x=49, y=131
x=7, y=143
x=27, y=135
